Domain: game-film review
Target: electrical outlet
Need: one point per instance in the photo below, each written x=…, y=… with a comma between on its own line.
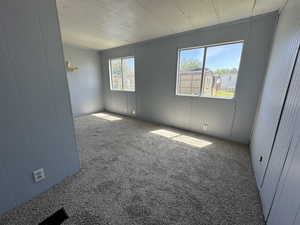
x=39, y=175
x=205, y=126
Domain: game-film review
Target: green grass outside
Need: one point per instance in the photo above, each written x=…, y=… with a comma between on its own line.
x=226, y=94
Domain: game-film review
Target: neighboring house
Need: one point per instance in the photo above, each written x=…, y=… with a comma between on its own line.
x=215, y=82
x=228, y=81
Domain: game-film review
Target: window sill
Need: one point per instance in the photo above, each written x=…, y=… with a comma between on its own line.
x=208, y=97
x=122, y=90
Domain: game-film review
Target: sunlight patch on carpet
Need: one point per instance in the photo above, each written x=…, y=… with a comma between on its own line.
x=107, y=116
x=186, y=139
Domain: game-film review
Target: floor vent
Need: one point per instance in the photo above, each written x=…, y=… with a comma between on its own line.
x=56, y=218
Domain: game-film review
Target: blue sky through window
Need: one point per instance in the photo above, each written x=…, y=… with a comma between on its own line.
x=128, y=65
x=192, y=54
x=224, y=56
x=130, y=62
x=217, y=57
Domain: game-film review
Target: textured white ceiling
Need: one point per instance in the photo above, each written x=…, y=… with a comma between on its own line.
x=102, y=24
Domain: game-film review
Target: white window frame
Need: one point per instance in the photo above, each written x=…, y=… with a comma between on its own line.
x=110, y=71
x=203, y=67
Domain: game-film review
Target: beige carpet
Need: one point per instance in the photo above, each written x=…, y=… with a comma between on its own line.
x=135, y=173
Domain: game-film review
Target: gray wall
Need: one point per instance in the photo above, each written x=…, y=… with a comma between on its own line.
x=271, y=140
x=36, y=119
x=155, y=66
x=85, y=85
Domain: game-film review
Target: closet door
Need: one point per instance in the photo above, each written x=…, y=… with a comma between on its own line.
x=286, y=205
x=297, y=219
x=279, y=72
x=286, y=134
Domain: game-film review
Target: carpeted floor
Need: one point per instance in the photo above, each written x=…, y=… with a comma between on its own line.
x=135, y=173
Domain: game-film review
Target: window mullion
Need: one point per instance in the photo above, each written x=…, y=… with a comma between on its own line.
x=203, y=71
x=122, y=73
x=178, y=74
x=110, y=75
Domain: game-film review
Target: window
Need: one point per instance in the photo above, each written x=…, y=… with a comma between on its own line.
x=122, y=77
x=209, y=71
x=190, y=71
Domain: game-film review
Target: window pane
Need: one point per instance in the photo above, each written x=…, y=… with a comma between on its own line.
x=221, y=70
x=190, y=71
x=116, y=74
x=128, y=74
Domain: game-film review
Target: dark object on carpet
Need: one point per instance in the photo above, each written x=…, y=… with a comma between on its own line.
x=57, y=218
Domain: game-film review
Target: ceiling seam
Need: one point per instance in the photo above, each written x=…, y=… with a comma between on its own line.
x=284, y=5
x=254, y=6
x=153, y=15
x=184, y=15
x=216, y=11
